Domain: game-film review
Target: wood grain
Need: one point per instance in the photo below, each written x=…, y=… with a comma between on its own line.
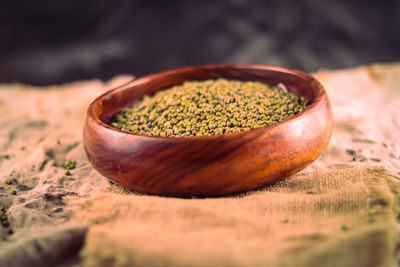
x=208, y=165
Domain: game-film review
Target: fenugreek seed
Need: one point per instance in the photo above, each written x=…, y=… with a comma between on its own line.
x=371, y=212
x=69, y=164
x=310, y=191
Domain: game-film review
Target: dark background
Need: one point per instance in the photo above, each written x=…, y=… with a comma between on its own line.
x=47, y=41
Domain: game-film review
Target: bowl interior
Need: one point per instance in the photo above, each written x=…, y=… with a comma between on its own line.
x=114, y=101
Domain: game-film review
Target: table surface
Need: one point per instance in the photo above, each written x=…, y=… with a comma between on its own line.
x=42, y=128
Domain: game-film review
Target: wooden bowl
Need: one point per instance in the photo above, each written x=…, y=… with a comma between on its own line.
x=208, y=165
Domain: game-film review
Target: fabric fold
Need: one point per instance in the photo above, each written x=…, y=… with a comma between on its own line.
x=343, y=217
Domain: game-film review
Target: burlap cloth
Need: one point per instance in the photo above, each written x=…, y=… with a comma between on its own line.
x=340, y=211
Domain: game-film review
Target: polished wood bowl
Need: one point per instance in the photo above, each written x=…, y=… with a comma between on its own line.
x=208, y=165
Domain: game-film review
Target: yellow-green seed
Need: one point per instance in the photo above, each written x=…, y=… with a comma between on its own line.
x=69, y=164
x=371, y=212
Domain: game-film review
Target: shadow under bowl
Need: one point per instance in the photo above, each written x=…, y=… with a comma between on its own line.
x=208, y=165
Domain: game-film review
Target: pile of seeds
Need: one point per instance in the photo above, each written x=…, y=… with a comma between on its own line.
x=210, y=107
x=69, y=165
x=4, y=217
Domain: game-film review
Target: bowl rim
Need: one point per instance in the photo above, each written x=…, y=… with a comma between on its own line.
x=143, y=79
